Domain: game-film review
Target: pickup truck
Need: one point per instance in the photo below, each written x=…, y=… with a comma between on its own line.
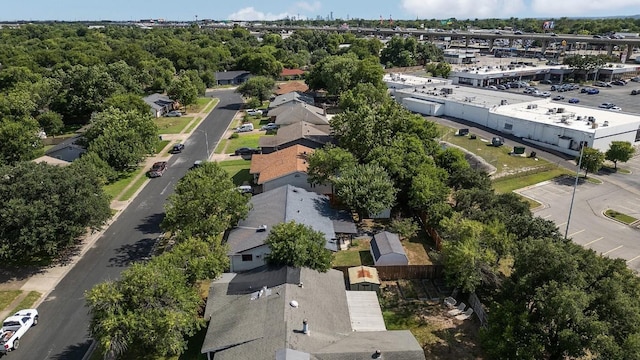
x=14, y=327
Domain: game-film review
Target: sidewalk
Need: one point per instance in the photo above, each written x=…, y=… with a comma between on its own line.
x=46, y=281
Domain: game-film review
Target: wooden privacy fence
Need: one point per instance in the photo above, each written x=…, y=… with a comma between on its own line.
x=388, y=273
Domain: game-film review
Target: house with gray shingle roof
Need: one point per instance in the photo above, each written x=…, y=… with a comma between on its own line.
x=247, y=248
x=160, y=104
x=68, y=150
x=232, y=77
x=387, y=249
x=300, y=133
x=294, y=112
x=294, y=96
x=260, y=315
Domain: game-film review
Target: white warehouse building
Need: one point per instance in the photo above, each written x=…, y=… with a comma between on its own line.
x=557, y=126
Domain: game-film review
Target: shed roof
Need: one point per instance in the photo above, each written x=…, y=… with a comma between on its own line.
x=384, y=243
x=362, y=274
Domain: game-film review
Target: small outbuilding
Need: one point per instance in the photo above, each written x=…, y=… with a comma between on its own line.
x=387, y=249
x=363, y=278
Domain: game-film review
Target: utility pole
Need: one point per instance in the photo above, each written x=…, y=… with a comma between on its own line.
x=575, y=185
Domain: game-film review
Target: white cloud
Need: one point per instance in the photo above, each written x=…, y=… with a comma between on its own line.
x=309, y=6
x=463, y=9
x=582, y=7
x=250, y=14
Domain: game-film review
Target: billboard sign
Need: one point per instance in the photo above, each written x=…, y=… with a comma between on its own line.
x=548, y=25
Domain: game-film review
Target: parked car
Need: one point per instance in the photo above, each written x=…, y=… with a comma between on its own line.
x=619, y=83
x=574, y=101
x=501, y=87
x=492, y=87
x=593, y=91
x=248, y=127
x=14, y=327
x=601, y=84
x=177, y=149
x=636, y=79
x=615, y=108
x=606, y=105
x=558, y=98
x=245, y=189
x=269, y=126
x=548, y=82
x=157, y=169
x=173, y=114
x=635, y=92
x=247, y=151
x=254, y=112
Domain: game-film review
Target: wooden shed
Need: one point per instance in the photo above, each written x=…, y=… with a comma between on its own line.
x=364, y=278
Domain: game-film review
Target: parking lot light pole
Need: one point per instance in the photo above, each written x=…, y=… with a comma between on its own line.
x=575, y=185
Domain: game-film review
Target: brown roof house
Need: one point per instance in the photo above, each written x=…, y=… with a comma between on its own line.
x=284, y=167
x=298, y=314
x=300, y=133
x=294, y=112
x=291, y=86
x=247, y=248
x=291, y=73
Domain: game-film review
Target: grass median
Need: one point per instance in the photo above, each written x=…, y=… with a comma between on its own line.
x=623, y=218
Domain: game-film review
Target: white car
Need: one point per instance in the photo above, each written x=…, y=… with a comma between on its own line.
x=14, y=327
x=173, y=114
x=615, y=108
x=254, y=112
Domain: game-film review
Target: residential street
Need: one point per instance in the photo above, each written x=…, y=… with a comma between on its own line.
x=63, y=329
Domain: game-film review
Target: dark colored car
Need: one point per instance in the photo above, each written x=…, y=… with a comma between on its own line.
x=247, y=151
x=157, y=169
x=574, y=101
x=619, y=83
x=558, y=98
x=177, y=148
x=593, y=91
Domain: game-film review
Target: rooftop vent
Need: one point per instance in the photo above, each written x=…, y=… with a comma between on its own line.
x=560, y=110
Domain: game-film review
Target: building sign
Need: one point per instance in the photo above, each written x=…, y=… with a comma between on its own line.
x=548, y=25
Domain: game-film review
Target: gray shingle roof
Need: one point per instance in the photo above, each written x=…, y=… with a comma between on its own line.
x=292, y=132
x=384, y=243
x=230, y=75
x=292, y=96
x=301, y=112
x=158, y=101
x=287, y=203
x=263, y=328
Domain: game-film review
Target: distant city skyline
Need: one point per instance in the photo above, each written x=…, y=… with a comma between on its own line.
x=133, y=10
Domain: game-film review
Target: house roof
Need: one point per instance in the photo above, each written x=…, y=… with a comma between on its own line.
x=292, y=132
x=384, y=243
x=280, y=163
x=286, y=203
x=291, y=86
x=291, y=72
x=296, y=112
x=245, y=325
x=51, y=160
x=362, y=274
x=289, y=97
x=364, y=311
x=230, y=75
x=158, y=101
x=69, y=142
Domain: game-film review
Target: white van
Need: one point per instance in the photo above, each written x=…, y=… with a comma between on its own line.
x=245, y=128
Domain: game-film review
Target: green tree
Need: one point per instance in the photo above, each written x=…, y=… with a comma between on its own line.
x=259, y=63
x=20, y=141
x=336, y=74
x=183, y=91
x=298, y=245
x=363, y=95
x=205, y=203
x=365, y=188
x=122, y=139
x=406, y=228
x=592, y=160
x=441, y=69
x=51, y=123
x=46, y=208
x=619, y=151
x=127, y=102
x=259, y=87
x=328, y=163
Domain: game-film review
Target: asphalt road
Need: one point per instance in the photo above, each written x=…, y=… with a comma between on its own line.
x=63, y=329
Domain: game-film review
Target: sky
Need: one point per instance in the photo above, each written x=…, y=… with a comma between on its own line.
x=263, y=10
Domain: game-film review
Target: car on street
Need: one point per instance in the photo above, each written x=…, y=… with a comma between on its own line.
x=635, y=92
x=558, y=98
x=14, y=327
x=619, y=83
x=197, y=164
x=593, y=91
x=615, y=108
x=254, y=112
x=606, y=105
x=269, y=127
x=635, y=79
x=574, y=101
x=247, y=151
x=501, y=87
x=177, y=148
x=173, y=114
x=158, y=169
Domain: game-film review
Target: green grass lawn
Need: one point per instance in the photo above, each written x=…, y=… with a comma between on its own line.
x=193, y=124
x=357, y=254
x=114, y=189
x=160, y=145
x=133, y=188
x=6, y=297
x=496, y=156
x=238, y=170
x=172, y=125
x=200, y=104
x=508, y=184
x=624, y=218
x=28, y=301
x=244, y=140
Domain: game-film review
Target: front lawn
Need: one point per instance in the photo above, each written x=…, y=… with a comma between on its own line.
x=200, y=104
x=251, y=140
x=511, y=183
x=27, y=302
x=172, y=125
x=238, y=170
x=6, y=297
x=114, y=189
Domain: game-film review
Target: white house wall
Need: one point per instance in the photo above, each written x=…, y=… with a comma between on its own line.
x=258, y=256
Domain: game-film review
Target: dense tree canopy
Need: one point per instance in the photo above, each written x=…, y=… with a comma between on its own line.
x=259, y=87
x=336, y=74
x=298, y=245
x=366, y=188
x=46, y=208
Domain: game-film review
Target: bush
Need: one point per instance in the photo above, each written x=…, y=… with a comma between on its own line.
x=234, y=136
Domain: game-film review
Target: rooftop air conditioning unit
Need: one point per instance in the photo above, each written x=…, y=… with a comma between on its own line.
x=552, y=111
x=560, y=110
x=605, y=123
x=591, y=119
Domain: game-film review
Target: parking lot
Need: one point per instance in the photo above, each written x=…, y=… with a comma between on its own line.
x=588, y=226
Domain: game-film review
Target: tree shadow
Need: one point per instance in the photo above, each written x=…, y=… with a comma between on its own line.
x=567, y=180
x=74, y=352
x=129, y=253
x=366, y=258
x=151, y=224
